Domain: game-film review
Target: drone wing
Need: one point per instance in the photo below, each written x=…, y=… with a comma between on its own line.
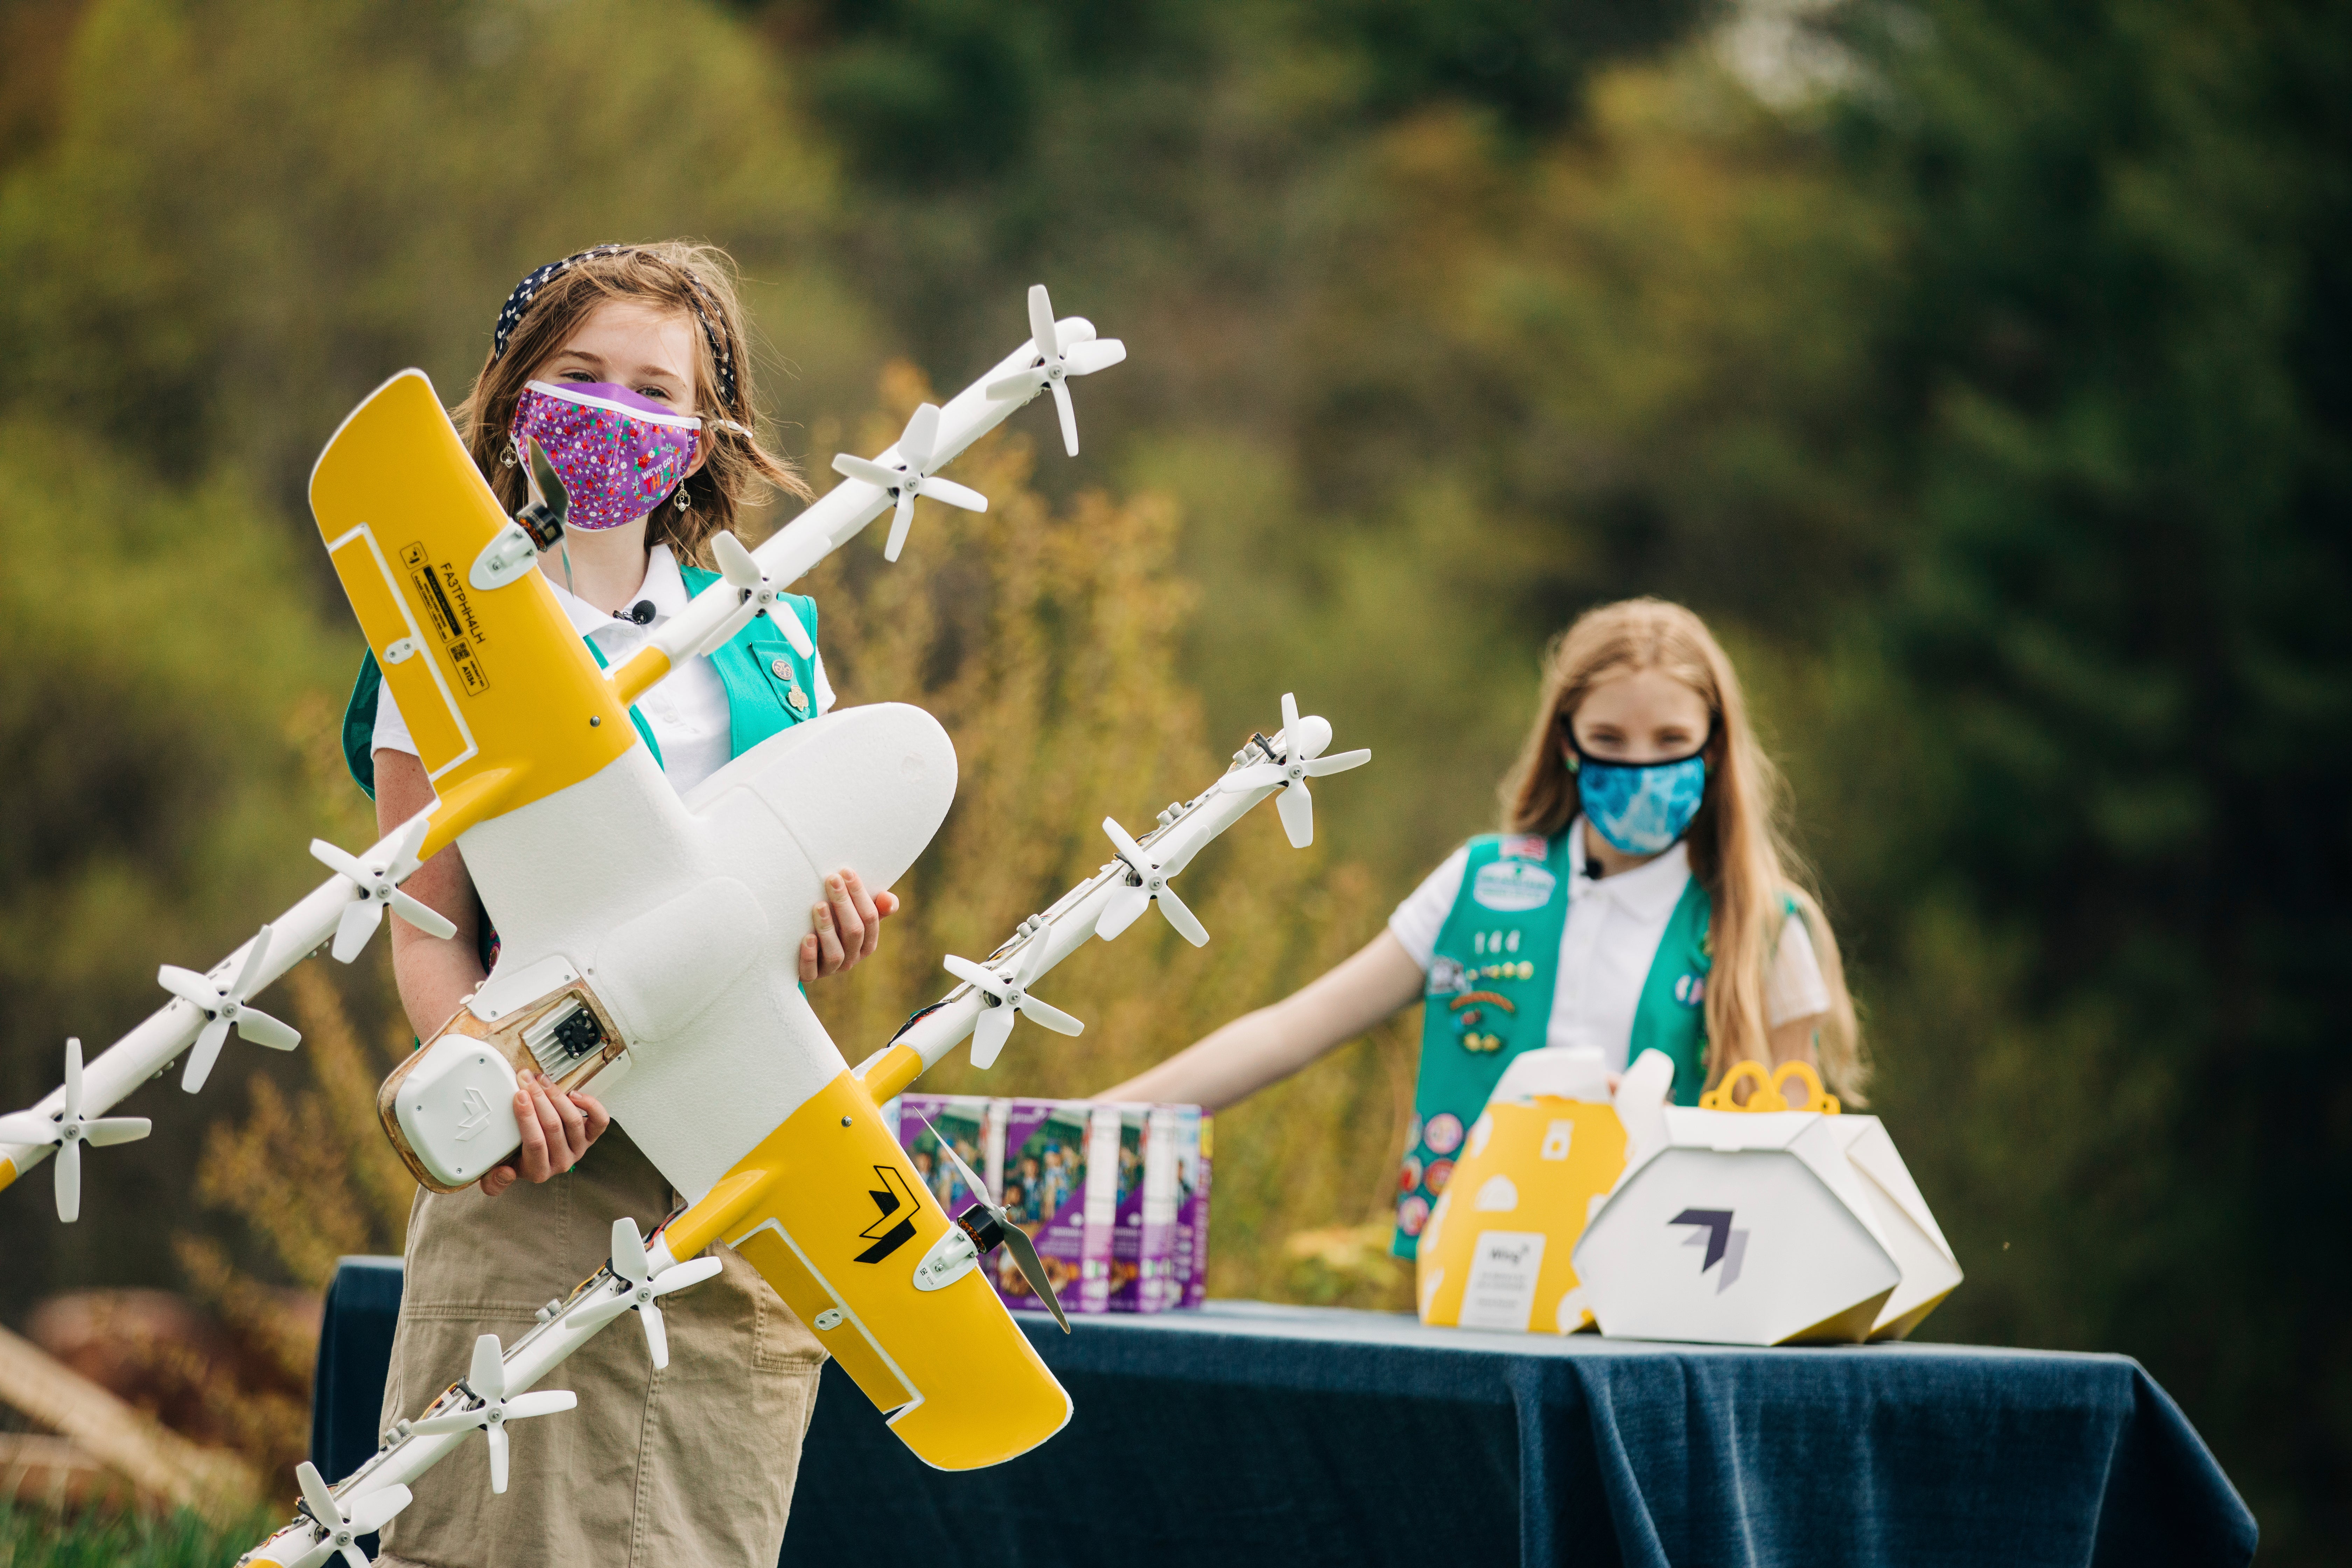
x=504, y=700
x=832, y=1212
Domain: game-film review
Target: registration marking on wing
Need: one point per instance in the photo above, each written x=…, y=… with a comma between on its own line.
x=468, y=747
x=439, y=590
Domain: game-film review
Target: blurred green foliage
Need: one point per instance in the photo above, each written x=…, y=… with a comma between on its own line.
x=30, y=1538
x=1979, y=369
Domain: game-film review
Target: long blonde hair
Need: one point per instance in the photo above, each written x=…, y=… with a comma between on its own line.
x=697, y=281
x=1739, y=850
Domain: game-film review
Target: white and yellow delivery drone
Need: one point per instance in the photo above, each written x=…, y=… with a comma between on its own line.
x=648, y=943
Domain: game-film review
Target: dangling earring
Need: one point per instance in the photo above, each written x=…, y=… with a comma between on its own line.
x=683, y=504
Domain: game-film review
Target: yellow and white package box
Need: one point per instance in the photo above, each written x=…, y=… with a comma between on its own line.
x=1496, y=1251
x=1761, y=1225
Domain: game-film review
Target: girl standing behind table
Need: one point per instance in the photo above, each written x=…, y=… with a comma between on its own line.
x=1639, y=898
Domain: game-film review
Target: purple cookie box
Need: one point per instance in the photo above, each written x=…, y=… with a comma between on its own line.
x=964, y=1120
x=1151, y=1256
x=1116, y=1197
x=1044, y=1185
x=1190, y=1262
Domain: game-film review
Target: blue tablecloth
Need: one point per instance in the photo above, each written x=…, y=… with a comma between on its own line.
x=1248, y=1432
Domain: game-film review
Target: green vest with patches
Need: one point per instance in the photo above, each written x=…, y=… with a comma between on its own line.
x=769, y=687
x=1489, y=992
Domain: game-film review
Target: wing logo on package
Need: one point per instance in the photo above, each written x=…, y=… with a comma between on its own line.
x=478, y=1115
x=892, y=1199
x=1723, y=1245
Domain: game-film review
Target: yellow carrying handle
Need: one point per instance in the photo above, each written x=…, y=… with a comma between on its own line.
x=1770, y=1092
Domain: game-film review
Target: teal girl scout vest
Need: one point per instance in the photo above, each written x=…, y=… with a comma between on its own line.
x=1489, y=994
x=770, y=687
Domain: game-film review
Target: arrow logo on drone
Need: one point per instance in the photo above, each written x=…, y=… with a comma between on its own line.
x=890, y=1197
x=1723, y=1245
x=479, y=1106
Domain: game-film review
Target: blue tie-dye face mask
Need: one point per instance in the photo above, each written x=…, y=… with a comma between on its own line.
x=1642, y=808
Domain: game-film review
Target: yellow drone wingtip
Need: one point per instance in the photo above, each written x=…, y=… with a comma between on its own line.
x=489, y=673
x=830, y=1210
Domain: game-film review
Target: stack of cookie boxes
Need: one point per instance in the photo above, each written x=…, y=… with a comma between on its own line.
x=1115, y=1196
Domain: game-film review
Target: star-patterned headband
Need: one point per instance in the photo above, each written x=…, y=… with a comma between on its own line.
x=525, y=291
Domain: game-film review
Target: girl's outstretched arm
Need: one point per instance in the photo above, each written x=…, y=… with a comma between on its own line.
x=1797, y=1041
x=436, y=974
x=1260, y=1048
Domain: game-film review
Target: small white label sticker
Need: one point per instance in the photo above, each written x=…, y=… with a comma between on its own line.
x=1501, y=1290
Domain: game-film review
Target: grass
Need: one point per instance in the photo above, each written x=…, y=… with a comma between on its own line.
x=32, y=1538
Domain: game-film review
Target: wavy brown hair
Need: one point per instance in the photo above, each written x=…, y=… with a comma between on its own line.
x=1738, y=845
x=697, y=281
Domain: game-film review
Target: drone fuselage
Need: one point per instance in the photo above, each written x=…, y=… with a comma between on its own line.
x=683, y=918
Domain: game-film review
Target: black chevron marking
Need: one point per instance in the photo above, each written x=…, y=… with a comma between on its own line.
x=890, y=1197
x=1718, y=1231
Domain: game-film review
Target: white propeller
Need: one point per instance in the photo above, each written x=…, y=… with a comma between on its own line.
x=1146, y=884
x=741, y=570
x=631, y=1267
x=488, y=1382
x=375, y=887
x=1007, y=993
x=1008, y=1232
x=1303, y=741
x=912, y=477
x=223, y=1005
x=69, y=1130
x=1058, y=360
x=368, y=1513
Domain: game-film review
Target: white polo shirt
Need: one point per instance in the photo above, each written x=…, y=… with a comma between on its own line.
x=686, y=712
x=1611, y=935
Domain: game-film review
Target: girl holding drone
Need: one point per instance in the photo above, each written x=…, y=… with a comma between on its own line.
x=624, y=370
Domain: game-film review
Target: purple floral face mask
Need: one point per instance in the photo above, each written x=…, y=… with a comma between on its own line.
x=619, y=455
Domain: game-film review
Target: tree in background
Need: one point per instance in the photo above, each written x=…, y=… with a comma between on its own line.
x=247, y=215
x=157, y=646
x=2114, y=353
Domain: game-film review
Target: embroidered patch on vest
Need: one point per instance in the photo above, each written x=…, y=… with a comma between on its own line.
x=1525, y=846
x=1690, y=990
x=1513, y=885
x=1447, y=977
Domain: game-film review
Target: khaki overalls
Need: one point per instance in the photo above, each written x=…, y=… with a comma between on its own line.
x=693, y=1464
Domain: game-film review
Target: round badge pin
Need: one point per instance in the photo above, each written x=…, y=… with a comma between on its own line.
x=1444, y=1133
x=1412, y=1213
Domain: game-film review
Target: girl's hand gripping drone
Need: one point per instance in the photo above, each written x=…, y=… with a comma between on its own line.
x=647, y=941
